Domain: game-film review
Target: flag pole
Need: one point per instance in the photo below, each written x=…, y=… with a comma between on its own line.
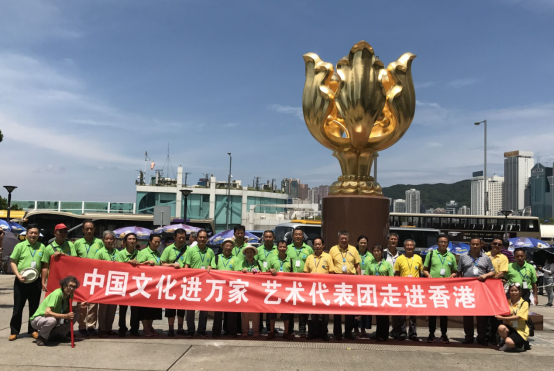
x=71, y=311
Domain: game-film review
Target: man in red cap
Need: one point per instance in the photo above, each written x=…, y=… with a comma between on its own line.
x=60, y=246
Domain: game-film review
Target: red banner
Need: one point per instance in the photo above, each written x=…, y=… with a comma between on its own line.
x=167, y=287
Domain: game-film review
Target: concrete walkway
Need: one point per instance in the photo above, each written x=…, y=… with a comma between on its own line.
x=163, y=353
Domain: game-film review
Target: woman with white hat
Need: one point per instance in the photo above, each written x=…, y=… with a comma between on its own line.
x=106, y=312
x=25, y=262
x=249, y=265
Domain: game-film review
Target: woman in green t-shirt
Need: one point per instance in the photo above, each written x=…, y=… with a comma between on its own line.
x=249, y=265
x=106, y=312
x=363, y=322
x=47, y=320
x=380, y=267
x=150, y=256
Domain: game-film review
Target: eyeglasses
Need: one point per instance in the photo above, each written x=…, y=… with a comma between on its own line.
x=72, y=287
x=496, y=244
x=516, y=284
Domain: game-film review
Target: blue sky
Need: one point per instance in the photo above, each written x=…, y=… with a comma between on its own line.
x=87, y=87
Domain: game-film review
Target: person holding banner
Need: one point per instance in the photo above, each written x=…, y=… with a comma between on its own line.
x=319, y=262
x=523, y=273
x=150, y=256
x=475, y=264
x=87, y=247
x=280, y=263
x=408, y=265
x=298, y=251
x=265, y=253
x=170, y=258
x=224, y=262
x=198, y=257
x=440, y=263
x=380, y=267
x=26, y=257
x=514, y=331
x=346, y=260
x=106, y=312
x=128, y=255
x=240, y=242
x=363, y=322
x=60, y=246
x=249, y=265
x=54, y=309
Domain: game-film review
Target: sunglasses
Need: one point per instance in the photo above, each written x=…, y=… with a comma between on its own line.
x=496, y=244
x=516, y=284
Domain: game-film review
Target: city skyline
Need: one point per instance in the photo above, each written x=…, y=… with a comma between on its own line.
x=86, y=90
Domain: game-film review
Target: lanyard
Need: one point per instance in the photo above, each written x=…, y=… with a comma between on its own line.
x=58, y=248
x=153, y=255
x=267, y=253
x=377, y=267
x=523, y=278
x=316, y=263
x=474, y=261
x=363, y=259
x=518, y=308
x=239, y=249
x=344, y=256
x=113, y=254
x=281, y=262
x=409, y=265
x=228, y=260
x=443, y=260
x=33, y=251
x=89, y=246
x=202, y=256
x=251, y=265
x=298, y=251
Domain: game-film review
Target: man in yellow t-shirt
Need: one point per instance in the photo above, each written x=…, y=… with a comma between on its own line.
x=319, y=262
x=346, y=260
x=408, y=265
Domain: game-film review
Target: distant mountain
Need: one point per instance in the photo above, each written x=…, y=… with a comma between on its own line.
x=434, y=195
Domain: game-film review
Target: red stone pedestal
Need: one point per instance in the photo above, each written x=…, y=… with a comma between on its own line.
x=367, y=215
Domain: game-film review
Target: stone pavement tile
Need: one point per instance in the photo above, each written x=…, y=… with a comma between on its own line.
x=109, y=354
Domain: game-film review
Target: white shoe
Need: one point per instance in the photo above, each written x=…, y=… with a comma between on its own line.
x=503, y=348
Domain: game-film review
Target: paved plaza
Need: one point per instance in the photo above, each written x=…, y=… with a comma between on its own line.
x=163, y=353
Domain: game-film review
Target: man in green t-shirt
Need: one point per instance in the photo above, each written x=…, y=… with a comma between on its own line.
x=60, y=246
x=128, y=255
x=224, y=262
x=87, y=247
x=265, y=253
x=26, y=254
x=280, y=263
x=240, y=242
x=298, y=251
x=440, y=263
x=170, y=258
x=54, y=309
x=525, y=274
x=199, y=257
x=106, y=312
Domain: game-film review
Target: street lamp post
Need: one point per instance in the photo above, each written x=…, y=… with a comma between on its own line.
x=10, y=190
x=228, y=192
x=506, y=213
x=185, y=193
x=485, y=194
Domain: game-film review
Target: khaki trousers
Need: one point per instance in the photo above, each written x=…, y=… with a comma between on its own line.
x=106, y=316
x=88, y=316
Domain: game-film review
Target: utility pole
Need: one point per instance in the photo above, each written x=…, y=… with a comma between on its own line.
x=186, y=174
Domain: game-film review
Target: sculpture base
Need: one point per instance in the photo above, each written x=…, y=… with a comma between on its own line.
x=367, y=215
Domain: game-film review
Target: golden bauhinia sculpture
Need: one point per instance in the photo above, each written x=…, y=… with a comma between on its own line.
x=358, y=111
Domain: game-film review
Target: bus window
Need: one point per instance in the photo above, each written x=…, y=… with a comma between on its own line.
x=428, y=222
x=436, y=223
x=445, y=223
x=455, y=223
x=463, y=223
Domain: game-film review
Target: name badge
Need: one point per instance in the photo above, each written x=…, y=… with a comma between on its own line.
x=298, y=264
x=524, y=285
x=33, y=264
x=409, y=275
x=362, y=272
x=515, y=324
x=443, y=271
x=202, y=267
x=265, y=264
x=344, y=268
x=475, y=271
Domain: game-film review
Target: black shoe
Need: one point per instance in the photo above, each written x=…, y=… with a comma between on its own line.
x=414, y=338
x=527, y=346
x=431, y=338
x=181, y=332
x=41, y=341
x=548, y=305
x=467, y=341
x=121, y=334
x=171, y=333
x=444, y=339
x=338, y=337
x=381, y=340
x=401, y=337
x=135, y=333
x=325, y=337
x=311, y=337
x=204, y=334
x=484, y=343
x=84, y=333
x=92, y=332
x=349, y=337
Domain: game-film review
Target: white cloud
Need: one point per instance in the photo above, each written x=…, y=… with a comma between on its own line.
x=296, y=111
x=460, y=83
x=425, y=85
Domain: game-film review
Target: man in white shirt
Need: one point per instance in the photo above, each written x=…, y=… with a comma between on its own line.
x=391, y=254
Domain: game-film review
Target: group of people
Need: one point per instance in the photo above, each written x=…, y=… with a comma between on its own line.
x=50, y=320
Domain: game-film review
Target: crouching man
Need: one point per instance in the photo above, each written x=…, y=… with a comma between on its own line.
x=53, y=318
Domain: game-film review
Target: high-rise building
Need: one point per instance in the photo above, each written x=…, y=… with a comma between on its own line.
x=285, y=185
x=399, y=206
x=323, y=192
x=451, y=207
x=413, y=201
x=302, y=191
x=495, y=187
x=464, y=210
x=313, y=195
x=294, y=187
x=517, y=171
x=539, y=185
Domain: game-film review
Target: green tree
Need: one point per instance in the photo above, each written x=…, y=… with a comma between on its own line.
x=4, y=204
x=1, y=136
